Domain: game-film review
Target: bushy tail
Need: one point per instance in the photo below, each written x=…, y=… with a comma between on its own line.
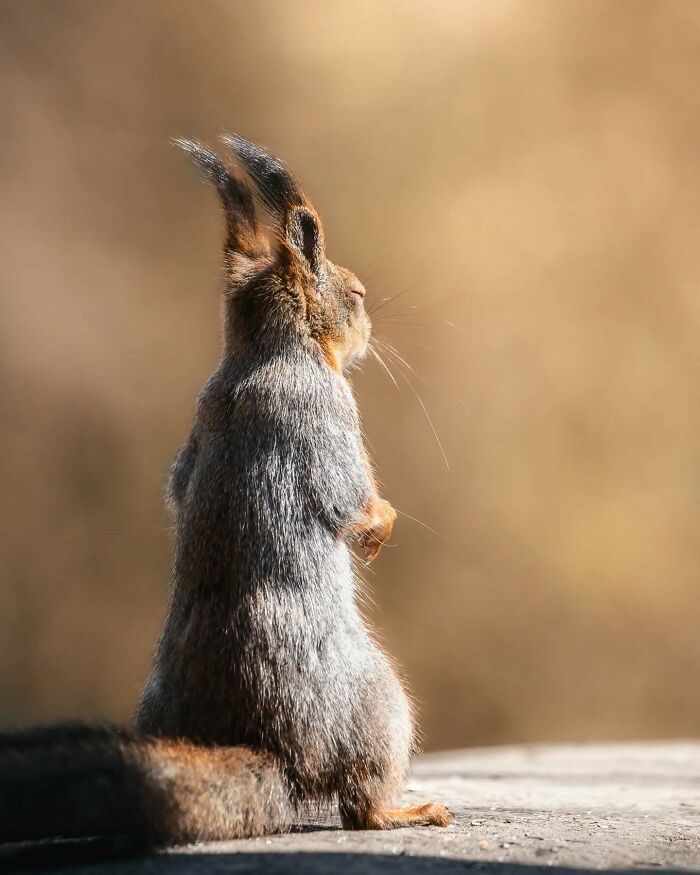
x=76, y=781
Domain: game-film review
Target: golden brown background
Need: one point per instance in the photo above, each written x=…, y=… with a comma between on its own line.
x=527, y=171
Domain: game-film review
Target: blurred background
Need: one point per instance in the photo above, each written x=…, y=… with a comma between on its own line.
x=524, y=176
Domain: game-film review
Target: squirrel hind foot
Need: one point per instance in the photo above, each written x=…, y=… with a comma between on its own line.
x=430, y=814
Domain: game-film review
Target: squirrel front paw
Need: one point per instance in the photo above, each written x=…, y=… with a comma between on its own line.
x=376, y=528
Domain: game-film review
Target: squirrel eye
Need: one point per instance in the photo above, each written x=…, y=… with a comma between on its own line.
x=357, y=291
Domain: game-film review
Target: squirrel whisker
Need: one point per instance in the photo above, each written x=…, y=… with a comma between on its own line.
x=401, y=363
x=386, y=301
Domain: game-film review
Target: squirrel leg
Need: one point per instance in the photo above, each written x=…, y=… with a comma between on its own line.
x=373, y=781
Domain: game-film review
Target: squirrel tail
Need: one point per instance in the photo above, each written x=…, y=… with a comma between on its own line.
x=80, y=782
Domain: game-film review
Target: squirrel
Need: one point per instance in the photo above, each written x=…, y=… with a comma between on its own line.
x=268, y=689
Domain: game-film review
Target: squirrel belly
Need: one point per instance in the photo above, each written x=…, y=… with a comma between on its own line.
x=77, y=781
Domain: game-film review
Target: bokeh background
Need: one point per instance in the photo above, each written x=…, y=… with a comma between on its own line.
x=525, y=177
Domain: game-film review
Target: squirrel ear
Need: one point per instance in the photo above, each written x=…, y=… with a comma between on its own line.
x=304, y=234
x=283, y=197
x=236, y=197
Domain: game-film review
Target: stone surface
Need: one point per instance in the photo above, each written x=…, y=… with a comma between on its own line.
x=517, y=810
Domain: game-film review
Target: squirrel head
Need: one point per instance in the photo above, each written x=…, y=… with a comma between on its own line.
x=281, y=286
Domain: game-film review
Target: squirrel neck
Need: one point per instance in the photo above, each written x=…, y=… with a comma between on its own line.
x=255, y=332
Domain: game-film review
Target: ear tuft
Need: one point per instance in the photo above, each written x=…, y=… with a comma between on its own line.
x=236, y=196
x=278, y=189
x=209, y=163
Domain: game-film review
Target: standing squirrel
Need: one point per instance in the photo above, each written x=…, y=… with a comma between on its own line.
x=267, y=690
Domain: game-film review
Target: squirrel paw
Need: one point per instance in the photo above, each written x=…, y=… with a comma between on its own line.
x=430, y=814
x=377, y=528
